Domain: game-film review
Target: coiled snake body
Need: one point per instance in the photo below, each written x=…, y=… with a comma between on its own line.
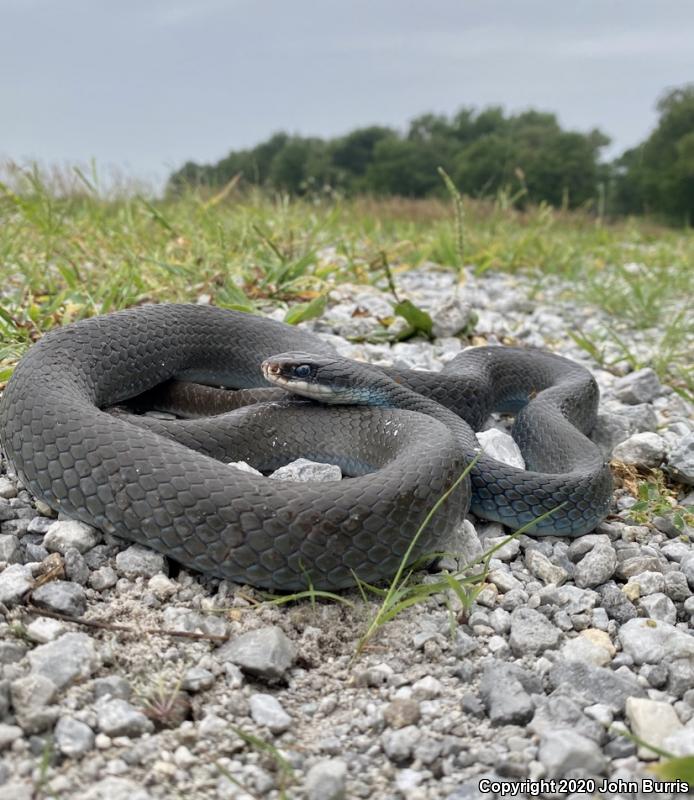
x=162, y=484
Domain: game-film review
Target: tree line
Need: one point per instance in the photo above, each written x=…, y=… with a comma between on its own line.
x=527, y=155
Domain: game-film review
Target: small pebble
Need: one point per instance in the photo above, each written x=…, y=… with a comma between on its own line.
x=267, y=711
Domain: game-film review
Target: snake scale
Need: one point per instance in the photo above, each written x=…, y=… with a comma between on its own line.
x=163, y=484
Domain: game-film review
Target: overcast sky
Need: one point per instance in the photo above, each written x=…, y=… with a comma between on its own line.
x=149, y=84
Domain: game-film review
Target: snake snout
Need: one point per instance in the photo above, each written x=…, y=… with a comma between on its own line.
x=271, y=368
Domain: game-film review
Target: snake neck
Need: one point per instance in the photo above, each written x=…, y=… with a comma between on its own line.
x=386, y=391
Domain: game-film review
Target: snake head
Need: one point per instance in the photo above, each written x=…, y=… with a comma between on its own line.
x=327, y=378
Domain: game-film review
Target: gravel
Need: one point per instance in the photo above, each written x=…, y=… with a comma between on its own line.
x=63, y=597
x=9, y=548
x=569, y=643
x=15, y=582
x=66, y=534
x=119, y=718
x=264, y=653
x=589, y=684
x=136, y=561
x=499, y=445
x=504, y=696
x=9, y=734
x=650, y=642
x=596, y=567
x=641, y=449
x=652, y=721
x=640, y=386
x=70, y=658
x=531, y=632
x=681, y=461
x=44, y=629
x=8, y=489
x=304, y=469
x=326, y=780
x=401, y=712
x=565, y=752
x=32, y=699
x=73, y=738
x=590, y=646
x=266, y=710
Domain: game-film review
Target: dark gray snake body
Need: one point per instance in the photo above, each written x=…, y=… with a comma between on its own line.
x=163, y=484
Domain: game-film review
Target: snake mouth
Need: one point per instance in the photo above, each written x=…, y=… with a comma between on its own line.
x=271, y=368
x=284, y=375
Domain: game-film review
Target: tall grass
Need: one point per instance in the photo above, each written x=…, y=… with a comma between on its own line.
x=71, y=253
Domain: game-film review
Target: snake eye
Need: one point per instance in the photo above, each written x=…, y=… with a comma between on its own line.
x=302, y=371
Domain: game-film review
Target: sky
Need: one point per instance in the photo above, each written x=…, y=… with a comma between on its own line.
x=144, y=86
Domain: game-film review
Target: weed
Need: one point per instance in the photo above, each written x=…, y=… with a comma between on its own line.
x=310, y=594
x=457, y=199
x=399, y=594
x=165, y=703
x=656, y=500
x=41, y=778
x=670, y=768
x=78, y=253
x=19, y=631
x=674, y=768
x=278, y=763
x=402, y=594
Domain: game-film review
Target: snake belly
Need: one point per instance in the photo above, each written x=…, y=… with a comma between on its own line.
x=170, y=490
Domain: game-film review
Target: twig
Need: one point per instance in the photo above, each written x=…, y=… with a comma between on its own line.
x=112, y=626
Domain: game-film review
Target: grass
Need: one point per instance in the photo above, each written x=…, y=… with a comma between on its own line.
x=164, y=703
x=670, y=767
x=282, y=769
x=402, y=592
x=64, y=257
x=654, y=496
x=466, y=584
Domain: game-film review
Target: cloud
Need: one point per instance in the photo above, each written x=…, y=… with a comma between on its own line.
x=178, y=13
x=628, y=44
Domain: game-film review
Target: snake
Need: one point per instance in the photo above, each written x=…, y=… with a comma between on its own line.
x=402, y=437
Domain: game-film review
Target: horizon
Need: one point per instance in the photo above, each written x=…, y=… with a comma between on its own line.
x=143, y=90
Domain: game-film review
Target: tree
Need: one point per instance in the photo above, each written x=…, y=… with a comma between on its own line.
x=484, y=152
x=403, y=167
x=299, y=165
x=559, y=166
x=263, y=155
x=658, y=175
x=554, y=165
x=485, y=165
x=353, y=153
x=429, y=128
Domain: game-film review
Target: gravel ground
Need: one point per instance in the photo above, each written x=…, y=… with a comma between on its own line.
x=571, y=642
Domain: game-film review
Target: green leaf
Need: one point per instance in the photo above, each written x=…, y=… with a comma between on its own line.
x=464, y=597
x=417, y=318
x=303, y=311
x=681, y=768
x=85, y=180
x=157, y=216
x=231, y=296
x=311, y=594
x=70, y=274
x=291, y=271
x=34, y=313
x=9, y=319
x=5, y=373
